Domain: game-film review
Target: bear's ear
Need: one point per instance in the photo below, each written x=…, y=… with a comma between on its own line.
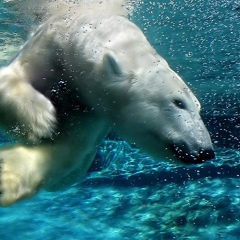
x=111, y=64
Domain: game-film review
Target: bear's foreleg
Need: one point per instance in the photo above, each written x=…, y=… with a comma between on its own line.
x=22, y=171
x=24, y=112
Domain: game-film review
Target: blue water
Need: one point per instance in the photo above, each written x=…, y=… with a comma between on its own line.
x=133, y=197
x=136, y=198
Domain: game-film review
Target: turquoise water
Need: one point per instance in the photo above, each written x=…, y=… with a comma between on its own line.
x=136, y=198
x=131, y=196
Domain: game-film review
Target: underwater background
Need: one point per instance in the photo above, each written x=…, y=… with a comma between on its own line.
x=130, y=196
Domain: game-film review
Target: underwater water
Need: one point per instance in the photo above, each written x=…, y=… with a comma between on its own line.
x=132, y=196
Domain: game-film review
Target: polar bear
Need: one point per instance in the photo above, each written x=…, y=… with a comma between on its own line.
x=86, y=71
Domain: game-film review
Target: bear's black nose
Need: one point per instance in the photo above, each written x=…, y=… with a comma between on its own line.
x=182, y=152
x=206, y=154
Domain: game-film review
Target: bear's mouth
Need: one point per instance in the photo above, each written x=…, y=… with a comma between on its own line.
x=182, y=152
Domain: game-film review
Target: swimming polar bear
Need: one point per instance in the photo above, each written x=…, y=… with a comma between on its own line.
x=81, y=74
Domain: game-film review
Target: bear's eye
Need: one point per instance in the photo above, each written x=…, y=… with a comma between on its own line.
x=179, y=103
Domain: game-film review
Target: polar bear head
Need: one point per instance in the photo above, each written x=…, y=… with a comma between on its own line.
x=154, y=108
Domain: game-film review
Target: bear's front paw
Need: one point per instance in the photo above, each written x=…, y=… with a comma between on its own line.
x=39, y=119
x=12, y=185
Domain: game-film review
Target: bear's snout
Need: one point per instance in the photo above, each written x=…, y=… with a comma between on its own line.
x=182, y=152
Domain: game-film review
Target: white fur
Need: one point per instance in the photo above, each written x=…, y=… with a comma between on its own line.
x=83, y=72
x=26, y=113
x=43, y=9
